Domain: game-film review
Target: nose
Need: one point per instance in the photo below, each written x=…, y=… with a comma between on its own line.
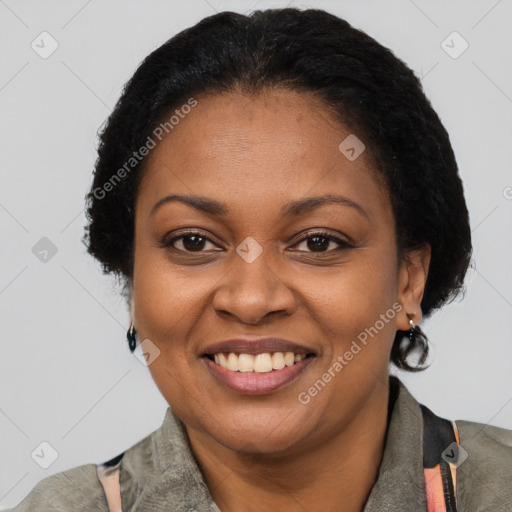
x=253, y=291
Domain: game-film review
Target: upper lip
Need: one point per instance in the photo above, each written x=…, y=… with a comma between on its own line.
x=256, y=346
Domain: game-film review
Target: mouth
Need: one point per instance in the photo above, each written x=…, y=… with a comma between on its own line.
x=265, y=362
x=257, y=374
x=255, y=365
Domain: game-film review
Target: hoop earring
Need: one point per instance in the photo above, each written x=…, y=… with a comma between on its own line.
x=131, y=337
x=412, y=330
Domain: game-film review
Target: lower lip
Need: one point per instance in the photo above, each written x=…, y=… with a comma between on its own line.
x=253, y=383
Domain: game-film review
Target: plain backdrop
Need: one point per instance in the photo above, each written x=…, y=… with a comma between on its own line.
x=67, y=376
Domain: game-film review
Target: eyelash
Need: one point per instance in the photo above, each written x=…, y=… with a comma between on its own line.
x=342, y=243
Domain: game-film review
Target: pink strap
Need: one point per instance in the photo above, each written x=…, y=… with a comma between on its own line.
x=434, y=483
x=109, y=478
x=434, y=487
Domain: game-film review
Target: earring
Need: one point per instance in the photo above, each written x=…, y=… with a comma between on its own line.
x=131, y=337
x=412, y=330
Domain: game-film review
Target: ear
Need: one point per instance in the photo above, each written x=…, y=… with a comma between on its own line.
x=412, y=278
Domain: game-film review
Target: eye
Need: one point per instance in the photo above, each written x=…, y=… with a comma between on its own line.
x=320, y=241
x=190, y=241
x=196, y=241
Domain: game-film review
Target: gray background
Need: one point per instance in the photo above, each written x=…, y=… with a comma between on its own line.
x=67, y=376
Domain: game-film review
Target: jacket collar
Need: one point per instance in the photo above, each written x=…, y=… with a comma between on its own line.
x=160, y=472
x=400, y=485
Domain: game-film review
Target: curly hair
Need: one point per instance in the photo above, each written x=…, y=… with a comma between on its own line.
x=358, y=80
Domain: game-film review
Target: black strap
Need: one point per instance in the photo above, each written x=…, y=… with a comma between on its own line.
x=438, y=435
x=113, y=462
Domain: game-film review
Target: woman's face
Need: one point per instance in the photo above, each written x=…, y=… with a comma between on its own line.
x=253, y=259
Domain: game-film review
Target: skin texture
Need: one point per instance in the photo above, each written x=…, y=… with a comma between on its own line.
x=255, y=155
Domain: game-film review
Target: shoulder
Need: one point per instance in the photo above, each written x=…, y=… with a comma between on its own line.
x=80, y=488
x=484, y=475
x=76, y=489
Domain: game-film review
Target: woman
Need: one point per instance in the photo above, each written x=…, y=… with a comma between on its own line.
x=285, y=208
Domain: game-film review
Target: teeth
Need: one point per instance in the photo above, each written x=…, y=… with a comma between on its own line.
x=232, y=362
x=245, y=363
x=260, y=363
x=278, y=361
x=223, y=360
x=289, y=359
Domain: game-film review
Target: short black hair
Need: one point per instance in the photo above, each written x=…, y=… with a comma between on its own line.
x=363, y=83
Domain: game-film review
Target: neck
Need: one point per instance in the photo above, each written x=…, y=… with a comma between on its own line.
x=335, y=474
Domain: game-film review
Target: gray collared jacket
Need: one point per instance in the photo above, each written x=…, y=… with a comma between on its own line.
x=159, y=473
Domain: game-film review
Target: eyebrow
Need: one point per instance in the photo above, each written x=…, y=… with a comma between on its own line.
x=295, y=208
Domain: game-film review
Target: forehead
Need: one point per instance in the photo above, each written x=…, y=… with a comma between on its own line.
x=258, y=152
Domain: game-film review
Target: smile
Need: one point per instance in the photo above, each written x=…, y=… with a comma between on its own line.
x=256, y=374
x=258, y=363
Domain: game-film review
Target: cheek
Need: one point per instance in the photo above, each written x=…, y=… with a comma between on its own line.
x=168, y=304
x=164, y=313
x=158, y=301
x=357, y=306
x=158, y=297
x=152, y=294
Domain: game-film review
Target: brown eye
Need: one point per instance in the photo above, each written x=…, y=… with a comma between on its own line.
x=188, y=242
x=320, y=242
x=193, y=242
